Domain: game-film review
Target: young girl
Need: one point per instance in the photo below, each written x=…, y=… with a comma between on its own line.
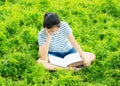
x=57, y=41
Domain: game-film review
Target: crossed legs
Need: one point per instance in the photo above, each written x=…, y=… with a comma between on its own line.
x=90, y=56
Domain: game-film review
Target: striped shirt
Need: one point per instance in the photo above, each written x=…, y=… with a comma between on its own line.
x=59, y=42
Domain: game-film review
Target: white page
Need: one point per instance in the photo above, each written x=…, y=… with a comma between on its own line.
x=57, y=61
x=72, y=58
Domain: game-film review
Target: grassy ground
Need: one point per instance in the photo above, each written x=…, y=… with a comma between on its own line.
x=96, y=27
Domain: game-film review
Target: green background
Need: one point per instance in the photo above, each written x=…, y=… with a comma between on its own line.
x=96, y=27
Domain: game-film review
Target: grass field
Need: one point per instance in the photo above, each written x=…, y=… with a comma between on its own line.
x=96, y=27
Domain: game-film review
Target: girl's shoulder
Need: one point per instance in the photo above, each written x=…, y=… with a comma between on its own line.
x=63, y=23
x=41, y=32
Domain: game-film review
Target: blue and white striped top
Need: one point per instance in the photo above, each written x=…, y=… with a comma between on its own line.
x=59, y=42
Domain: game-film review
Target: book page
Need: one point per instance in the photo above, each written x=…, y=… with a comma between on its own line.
x=72, y=58
x=57, y=61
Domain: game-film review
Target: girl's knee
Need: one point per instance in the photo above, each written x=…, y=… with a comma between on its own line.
x=93, y=56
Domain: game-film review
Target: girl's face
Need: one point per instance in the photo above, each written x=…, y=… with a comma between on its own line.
x=54, y=29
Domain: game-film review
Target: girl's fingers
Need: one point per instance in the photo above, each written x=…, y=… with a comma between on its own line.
x=86, y=64
x=47, y=33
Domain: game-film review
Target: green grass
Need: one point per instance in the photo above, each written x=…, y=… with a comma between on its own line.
x=96, y=27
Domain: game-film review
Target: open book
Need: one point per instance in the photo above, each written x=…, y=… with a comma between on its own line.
x=67, y=60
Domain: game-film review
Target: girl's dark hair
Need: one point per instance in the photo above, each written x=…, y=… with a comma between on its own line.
x=50, y=20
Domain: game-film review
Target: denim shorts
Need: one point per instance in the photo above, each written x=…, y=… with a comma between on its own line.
x=62, y=54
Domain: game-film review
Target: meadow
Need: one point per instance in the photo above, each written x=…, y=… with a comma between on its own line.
x=95, y=25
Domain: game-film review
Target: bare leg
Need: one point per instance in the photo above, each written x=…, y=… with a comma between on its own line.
x=76, y=64
x=48, y=66
x=90, y=56
x=52, y=67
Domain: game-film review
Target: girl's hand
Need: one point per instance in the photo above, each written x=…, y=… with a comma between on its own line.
x=86, y=62
x=47, y=33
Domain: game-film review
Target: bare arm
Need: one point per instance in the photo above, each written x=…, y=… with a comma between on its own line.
x=77, y=48
x=75, y=45
x=43, y=49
